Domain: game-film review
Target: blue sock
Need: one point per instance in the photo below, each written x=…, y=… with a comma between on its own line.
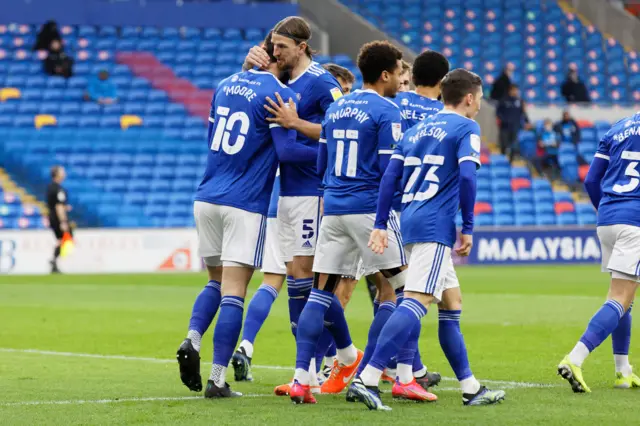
x=331, y=352
x=452, y=343
x=225, y=335
x=376, y=305
x=337, y=324
x=396, y=332
x=384, y=313
x=409, y=350
x=311, y=326
x=621, y=336
x=602, y=324
x=417, y=358
x=298, y=294
x=393, y=363
x=258, y=311
x=326, y=340
x=205, y=307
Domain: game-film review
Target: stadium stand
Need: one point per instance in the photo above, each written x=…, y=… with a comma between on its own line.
x=136, y=163
x=553, y=40
x=132, y=164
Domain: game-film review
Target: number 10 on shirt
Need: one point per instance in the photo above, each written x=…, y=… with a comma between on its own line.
x=352, y=153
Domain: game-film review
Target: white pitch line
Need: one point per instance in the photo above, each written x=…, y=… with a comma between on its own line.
x=510, y=384
x=114, y=401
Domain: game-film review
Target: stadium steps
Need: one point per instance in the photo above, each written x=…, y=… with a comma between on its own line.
x=8, y=185
x=146, y=65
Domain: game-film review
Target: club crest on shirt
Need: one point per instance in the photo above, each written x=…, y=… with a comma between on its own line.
x=396, y=131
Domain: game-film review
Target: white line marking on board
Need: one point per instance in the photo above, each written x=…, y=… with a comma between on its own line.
x=505, y=383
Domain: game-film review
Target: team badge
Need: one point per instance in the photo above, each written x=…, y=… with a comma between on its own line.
x=475, y=142
x=396, y=131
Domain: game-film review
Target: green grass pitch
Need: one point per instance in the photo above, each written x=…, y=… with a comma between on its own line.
x=518, y=324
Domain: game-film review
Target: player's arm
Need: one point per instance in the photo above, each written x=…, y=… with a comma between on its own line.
x=592, y=183
x=285, y=115
x=321, y=161
x=468, y=154
x=212, y=119
x=287, y=147
x=61, y=210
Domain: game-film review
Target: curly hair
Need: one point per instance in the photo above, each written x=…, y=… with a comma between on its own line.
x=376, y=57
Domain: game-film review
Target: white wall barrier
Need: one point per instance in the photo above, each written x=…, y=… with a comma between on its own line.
x=101, y=251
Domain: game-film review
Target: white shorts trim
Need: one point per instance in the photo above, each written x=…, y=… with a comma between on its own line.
x=229, y=234
x=430, y=269
x=272, y=261
x=298, y=224
x=620, y=246
x=342, y=244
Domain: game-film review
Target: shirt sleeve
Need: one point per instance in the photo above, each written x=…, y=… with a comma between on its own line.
x=389, y=135
x=328, y=91
x=212, y=120
x=470, y=144
x=603, y=147
x=321, y=163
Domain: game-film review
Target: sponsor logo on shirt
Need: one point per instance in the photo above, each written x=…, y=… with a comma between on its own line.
x=336, y=93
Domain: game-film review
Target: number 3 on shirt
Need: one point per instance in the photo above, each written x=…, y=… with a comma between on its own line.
x=435, y=161
x=630, y=171
x=352, y=153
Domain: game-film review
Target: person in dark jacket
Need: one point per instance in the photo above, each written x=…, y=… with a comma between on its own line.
x=573, y=89
x=48, y=33
x=501, y=85
x=58, y=62
x=512, y=118
x=568, y=129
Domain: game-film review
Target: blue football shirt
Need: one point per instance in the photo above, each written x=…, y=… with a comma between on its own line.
x=432, y=152
x=620, y=203
x=242, y=160
x=275, y=196
x=414, y=108
x=315, y=90
x=358, y=129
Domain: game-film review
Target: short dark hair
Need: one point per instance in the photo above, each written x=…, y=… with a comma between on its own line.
x=55, y=170
x=295, y=28
x=340, y=72
x=429, y=68
x=376, y=57
x=267, y=45
x=458, y=84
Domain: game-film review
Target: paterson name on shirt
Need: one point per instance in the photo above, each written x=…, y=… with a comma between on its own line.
x=432, y=152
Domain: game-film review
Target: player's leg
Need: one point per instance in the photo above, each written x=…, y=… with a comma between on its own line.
x=620, y=258
x=210, y=231
x=621, y=340
x=336, y=256
x=55, y=227
x=425, y=265
x=242, y=252
x=274, y=272
x=453, y=345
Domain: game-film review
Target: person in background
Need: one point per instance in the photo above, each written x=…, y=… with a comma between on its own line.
x=568, y=129
x=343, y=75
x=502, y=84
x=405, y=77
x=58, y=62
x=48, y=33
x=512, y=117
x=101, y=90
x=548, y=142
x=57, y=204
x=573, y=88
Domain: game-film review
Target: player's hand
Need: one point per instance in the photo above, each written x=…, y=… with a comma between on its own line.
x=64, y=226
x=284, y=114
x=257, y=57
x=378, y=241
x=466, y=244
